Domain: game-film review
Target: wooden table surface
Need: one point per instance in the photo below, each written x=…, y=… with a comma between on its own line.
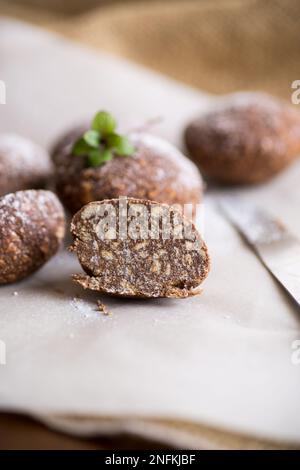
x=19, y=432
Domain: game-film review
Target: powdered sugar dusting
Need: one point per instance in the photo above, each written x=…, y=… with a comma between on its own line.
x=23, y=164
x=188, y=173
x=26, y=151
x=17, y=206
x=82, y=307
x=246, y=99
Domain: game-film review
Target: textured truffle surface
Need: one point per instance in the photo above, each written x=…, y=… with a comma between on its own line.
x=156, y=171
x=32, y=226
x=148, y=259
x=247, y=138
x=23, y=164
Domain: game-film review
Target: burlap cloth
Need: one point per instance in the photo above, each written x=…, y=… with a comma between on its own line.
x=219, y=46
x=216, y=45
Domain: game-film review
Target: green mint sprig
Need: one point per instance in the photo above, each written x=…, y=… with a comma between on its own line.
x=101, y=143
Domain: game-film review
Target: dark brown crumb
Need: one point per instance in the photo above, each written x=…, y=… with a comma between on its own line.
x=103, y=308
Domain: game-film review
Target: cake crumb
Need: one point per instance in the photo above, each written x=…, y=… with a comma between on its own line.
x=103, y=308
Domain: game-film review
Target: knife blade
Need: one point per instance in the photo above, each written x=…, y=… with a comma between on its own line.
x=278, y=249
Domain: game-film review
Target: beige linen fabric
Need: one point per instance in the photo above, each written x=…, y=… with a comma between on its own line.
x=216, y=45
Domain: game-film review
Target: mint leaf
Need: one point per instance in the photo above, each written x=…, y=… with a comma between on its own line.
x=112, y=140
x=125, y=148
x=92, y=138
x=99, y=156
x=94, y=158
x=107, y=155
x=101, y=143
x=104, y=123
x=120, y=144
x=81, y=147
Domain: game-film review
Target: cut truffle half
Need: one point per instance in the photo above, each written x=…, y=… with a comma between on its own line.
x=138, y=248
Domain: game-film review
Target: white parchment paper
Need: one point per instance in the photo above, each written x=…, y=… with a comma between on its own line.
x=223, y=358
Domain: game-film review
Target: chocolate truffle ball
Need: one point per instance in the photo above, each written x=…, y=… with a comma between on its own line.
x=246, y=138
x=32, y=226
x=156, y=171
x=23, y=164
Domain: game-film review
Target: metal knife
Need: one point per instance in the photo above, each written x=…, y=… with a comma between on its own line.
x=278, y=250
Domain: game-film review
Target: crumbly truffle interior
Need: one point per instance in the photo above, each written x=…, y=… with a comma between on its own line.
x=143, y=252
